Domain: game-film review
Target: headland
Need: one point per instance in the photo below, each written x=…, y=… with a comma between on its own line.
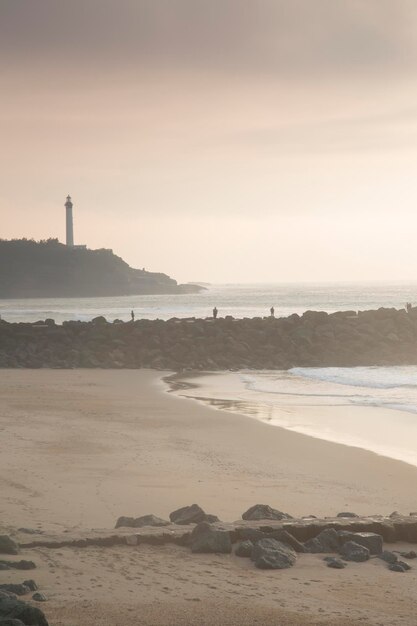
x=45, y=269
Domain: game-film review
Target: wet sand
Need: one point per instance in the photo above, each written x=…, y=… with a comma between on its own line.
x=80, y=448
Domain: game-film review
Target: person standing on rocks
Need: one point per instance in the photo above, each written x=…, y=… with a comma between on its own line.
x=272, y=310
x=215, y=312
x=132, y=315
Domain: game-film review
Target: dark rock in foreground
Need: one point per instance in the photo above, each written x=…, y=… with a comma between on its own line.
x=326, y=541
x=263, y=511
x=39, y=597
x=244, y=548
x=193, y=514
x=206, y=539
x=140, y=522
x=372, y=541
x=8, y=545
x=352, y=551
x=22, y=565
x=18, y=589
x=397, y=567
x=12, y=608
x=272, y=554
x=335, y=563
x=285, y=537
x=388, y=556
x=411, y=554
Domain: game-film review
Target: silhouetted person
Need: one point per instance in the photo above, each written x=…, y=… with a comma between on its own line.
x=408, y=307
x=215, y=311
x=272, y=311
x=132, y=315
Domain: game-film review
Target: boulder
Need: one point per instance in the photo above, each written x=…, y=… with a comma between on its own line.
x=253, y=534
x=272, y=554
x=352, y=551
x=286, y=537
x=23, y=565
x=31, y=585
x=39, y=597
x=347, y=514
x=139, y=522
x=396, y=514
x=125, y=522
x=409, y=555
x=17, y=589
x=211, y=519
x=99, y=320
x=326, y=541
x=263, y=511
x=244, y=548
x=372, y=541
x=404, y=565
x=8, y=545
x=12, y=608
x=396, y=567
x=193, y=514
x=206, y=539
x=388, y=557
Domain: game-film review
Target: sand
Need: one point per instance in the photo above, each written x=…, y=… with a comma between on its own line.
x=80, y=448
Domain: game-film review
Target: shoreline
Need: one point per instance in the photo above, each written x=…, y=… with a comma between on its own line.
x=137, y=449
x=225, y=394
x=84, y=447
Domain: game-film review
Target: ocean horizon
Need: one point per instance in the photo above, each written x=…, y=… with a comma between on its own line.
x=237, y=300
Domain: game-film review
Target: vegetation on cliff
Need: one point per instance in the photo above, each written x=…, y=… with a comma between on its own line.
x=31, y=269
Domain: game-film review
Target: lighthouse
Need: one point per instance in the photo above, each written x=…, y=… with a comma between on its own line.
x=69, y=223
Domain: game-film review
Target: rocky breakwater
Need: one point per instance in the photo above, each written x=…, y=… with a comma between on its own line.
x=269, y=537
x=380, y=337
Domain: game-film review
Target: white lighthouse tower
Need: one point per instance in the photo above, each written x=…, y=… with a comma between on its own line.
x=69, y=222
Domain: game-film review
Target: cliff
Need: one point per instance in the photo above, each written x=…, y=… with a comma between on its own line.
x=383, y=337
x=30, y=269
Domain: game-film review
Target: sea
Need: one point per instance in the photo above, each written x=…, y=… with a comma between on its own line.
x=374, y=408
x=242, y=300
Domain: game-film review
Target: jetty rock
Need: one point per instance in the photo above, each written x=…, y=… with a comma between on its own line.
x=264, y=511
x=8, y=545
x=272, y=554
x=14, y=609
x=353, y=551
x=140, y=522
x=315, y=339
x=193, y=514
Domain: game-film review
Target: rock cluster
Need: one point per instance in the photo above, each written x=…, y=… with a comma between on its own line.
x=381, y=337
x=15, y=612
x=273, y=539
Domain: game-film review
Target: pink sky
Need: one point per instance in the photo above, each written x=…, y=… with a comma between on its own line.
x=229, y=141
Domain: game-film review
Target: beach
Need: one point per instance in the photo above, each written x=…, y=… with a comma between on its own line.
x=82, y=447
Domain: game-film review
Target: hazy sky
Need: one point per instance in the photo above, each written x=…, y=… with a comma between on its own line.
x=218, y=140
